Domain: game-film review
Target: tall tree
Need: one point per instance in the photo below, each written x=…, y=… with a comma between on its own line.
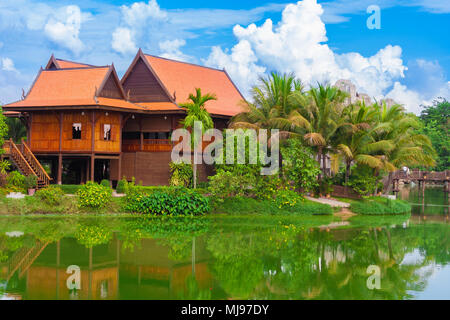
x=16, y=129
x=436, y=125
x=196, y=112
x=357, y=143
x=321, y=108
x=3, y=130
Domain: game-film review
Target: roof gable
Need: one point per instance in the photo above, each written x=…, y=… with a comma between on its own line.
x=55, y=64
x=111, y=86
x=142, y=85
x=183, y=78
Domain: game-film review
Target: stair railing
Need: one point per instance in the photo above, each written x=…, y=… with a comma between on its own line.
x=17, y=156
x=40, y=171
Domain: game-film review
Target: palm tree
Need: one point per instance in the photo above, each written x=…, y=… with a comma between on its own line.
x=196, y=112
x=16, y=130
x=356, y=140
x=320, y=109
x=272, y=107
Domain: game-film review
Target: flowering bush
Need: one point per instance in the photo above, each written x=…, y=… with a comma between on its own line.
x=287, y=199
x=52, y=195
x=93, y=195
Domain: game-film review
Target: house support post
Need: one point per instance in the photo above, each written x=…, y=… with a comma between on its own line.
x=60, y=168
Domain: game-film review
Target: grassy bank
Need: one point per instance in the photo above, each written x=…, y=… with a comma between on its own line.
x=234, y=206
x=380, y=206
x=241, y=205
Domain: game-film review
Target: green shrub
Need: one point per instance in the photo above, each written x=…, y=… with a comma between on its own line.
x=177, y=202
x=105, y=183
x=299, y=165
x=380, y=206
x=229, y=184
x=363, y=181
x=93, y=195
x=52, y=195
x=122, y=186
x=287, y=199
x=16, y=181
x=181, y=174
x=31, y=181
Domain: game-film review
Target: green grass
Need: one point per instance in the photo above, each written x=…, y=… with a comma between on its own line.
x=380, y=206
x=241, y=206
x=70, y=188
x=69, y=206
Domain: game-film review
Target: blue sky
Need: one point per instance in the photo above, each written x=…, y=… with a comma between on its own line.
x=408, y=59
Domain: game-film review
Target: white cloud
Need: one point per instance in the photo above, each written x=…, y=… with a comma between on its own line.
x=122, y=41
x=7, y=64
x=240, y=63
x=138, y=20
x=298, y=44
x=64, y=28
x=171, y=49
x=411, y=99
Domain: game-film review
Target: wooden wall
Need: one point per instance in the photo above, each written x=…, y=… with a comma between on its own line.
x=152, y=168
x=45, y=132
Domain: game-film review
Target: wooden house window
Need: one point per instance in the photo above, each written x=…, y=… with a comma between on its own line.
x=76, y=131
x=107, y=132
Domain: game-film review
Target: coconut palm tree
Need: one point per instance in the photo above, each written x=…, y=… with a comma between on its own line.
x=320, y=110
x=272, y=108
x=196, y=112
x=357, y=143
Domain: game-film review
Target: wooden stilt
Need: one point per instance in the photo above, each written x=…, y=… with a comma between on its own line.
x=119, y=169
x=92, y=167
x=60, y=168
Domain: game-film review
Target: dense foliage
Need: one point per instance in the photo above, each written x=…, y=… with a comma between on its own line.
x=299, y=166
x=181, y=174
x=51, y=195
x=178, y=202
x=3, y=130
x=436, y=121
x=376, y=136
x=93, y=195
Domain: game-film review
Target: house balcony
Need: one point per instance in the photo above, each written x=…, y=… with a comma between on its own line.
x=150, y=145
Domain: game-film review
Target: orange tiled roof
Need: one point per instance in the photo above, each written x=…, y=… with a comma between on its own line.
x=182, y=78
x=160, y=106
x=70, y=87
x=64, y=64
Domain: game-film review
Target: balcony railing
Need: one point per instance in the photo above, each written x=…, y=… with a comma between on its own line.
x=151, y=145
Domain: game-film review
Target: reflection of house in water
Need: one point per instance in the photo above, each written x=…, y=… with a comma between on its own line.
x=106, y=272
x=46, y=278
x=147, y=272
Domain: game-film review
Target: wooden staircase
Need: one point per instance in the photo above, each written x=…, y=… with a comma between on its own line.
x=27, y=163
x=23, y=259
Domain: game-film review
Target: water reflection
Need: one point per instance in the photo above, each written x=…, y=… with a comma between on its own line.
x=220, y=258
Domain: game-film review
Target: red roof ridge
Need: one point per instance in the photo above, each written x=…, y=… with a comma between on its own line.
x=75, y=62
x=77, y=68
x=184, y=62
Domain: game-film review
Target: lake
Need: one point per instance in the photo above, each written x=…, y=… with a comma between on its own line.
x=230, y=257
